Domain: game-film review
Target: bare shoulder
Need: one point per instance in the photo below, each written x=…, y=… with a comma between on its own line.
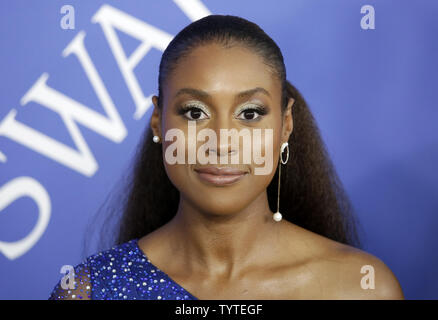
x=365, y=276
x=345, y=272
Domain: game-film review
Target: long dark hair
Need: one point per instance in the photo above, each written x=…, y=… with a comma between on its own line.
x=312, y=195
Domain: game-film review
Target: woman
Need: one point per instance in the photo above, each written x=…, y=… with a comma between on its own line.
x=195, y=231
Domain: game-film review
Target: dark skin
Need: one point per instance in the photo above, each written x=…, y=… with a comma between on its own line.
x=222, y=242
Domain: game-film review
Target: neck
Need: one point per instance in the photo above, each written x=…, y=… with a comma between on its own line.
x=223, y=245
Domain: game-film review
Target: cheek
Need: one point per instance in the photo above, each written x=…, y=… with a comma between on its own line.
x=265, y=152
x=177, y=174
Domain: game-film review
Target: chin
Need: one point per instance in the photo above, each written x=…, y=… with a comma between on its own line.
x=220, y=211
x=221, y=201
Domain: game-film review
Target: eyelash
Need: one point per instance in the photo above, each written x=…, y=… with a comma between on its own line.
x=261, y=111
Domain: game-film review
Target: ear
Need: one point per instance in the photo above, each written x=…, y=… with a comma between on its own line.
x=155, y=122
x=287, y=121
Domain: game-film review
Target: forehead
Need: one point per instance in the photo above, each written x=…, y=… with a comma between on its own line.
x=224, y=71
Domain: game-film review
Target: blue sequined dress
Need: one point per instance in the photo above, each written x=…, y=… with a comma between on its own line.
x=123, y=272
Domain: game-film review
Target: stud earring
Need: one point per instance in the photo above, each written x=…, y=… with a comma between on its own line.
x=277, y=216
x=156, y=139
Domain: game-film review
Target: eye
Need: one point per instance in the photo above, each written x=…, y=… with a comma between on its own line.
x=251, y=114
x=193, y=113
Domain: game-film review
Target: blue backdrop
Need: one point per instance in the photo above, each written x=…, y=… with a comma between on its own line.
x=72, y=113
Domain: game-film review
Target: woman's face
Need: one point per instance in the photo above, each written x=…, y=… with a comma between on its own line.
x=221, y=74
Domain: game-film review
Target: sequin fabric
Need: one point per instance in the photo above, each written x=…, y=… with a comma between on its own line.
x=123, y=272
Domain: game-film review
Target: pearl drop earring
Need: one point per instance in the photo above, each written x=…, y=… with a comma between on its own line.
x=277, y=216
x=156, y=139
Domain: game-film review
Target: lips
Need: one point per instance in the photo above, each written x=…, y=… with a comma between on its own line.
x=220, y=175
x=220, y=171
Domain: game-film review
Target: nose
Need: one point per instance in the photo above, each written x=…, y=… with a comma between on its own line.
x=225, y=151
x=224, y=147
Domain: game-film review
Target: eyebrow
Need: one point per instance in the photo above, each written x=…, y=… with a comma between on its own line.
x=203, y=94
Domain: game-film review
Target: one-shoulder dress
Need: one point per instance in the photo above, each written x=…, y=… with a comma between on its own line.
x=123, y=272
